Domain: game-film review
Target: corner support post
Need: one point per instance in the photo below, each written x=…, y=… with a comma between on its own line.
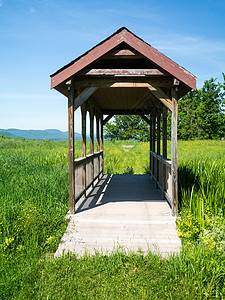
x=71, y=96
x=174, y=166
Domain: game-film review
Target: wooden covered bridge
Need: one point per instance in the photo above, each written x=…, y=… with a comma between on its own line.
x=123, y=75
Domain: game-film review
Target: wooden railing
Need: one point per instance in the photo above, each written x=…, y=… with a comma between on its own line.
x=161, y=174
x=87, y=170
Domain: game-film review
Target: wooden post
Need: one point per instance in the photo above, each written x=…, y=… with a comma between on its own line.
x=158, y=144
x=97, y=131
x=164, y=132
x=102, y=157
x=150, y=162
x=71, y=96
x=97, y=139
x=91, y=110
x=174, y=168
x=84, y=114
x=164, y=152
x=153, y=143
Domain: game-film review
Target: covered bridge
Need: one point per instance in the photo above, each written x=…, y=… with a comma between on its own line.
x=123, y=75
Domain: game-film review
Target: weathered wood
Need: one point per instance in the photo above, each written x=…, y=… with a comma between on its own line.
x=145, y=119
x=153, y=132
x=71, y=94
x=122, y=52
x=98, y=139
x=174, y=167
x=158, y=143
x=117, y=39
x=107, y=119
x=84, y=114
x=101, y=143
x=164, y=152
x=151, y=158
x=159, y=94
x=158, y=132
x=79, y=165
x=93, y=81
x=130, y=85
x=83, y=96
x=97, y=132
x=132, y=111
x=153, y=144
x=121, y=72
x=164, y=132
x=91, y=112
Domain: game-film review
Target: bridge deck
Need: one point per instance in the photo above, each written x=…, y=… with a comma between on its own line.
x=122, y=210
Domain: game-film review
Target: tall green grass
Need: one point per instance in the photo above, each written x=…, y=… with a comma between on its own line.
x=34, y=202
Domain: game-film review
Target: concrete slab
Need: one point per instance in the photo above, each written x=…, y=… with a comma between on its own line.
x=122, y=211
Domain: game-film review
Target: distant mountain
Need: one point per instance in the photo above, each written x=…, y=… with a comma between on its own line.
x=47, y=134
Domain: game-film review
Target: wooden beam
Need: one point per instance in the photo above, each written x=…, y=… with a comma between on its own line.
x=71, y=94
x=174, y=167
x=159, y=94
x=107, y=119
x=121, y=72
x=101, y=81
x=127, y=112
x=123, y=52
x=130, y=85
x=83, y=96
x=145, y=119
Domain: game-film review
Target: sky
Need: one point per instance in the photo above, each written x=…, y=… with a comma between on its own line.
x=38, y=37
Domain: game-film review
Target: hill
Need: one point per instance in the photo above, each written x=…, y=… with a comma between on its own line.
x=47, y=134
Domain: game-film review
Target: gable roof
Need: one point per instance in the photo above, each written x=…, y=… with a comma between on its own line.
x=123, y=35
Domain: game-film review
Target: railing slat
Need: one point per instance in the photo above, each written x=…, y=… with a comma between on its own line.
x=78, y=164
x=166, y=187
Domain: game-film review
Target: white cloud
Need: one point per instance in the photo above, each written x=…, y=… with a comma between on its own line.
x=192, y=47
x=1, y=3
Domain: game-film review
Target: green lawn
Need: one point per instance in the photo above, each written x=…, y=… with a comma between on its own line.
x=34, y=202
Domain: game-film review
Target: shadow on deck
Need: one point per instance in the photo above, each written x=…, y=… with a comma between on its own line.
x=125, y=211
x=118, y=188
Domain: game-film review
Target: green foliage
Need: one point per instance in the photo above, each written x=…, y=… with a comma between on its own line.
x=201, y=112
x=127, y=127
x=34, y=202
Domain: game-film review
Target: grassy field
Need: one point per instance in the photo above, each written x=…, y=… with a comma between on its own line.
x=34, y=202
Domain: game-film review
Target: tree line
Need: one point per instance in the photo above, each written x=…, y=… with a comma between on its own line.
x=201, y=115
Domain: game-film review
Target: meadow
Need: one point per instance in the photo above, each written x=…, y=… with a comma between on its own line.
x=34, y=202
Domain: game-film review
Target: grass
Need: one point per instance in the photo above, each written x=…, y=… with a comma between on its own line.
x=34, y=202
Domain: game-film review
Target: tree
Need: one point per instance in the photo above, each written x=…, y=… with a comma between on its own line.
x=201, y=112
x=127, y=127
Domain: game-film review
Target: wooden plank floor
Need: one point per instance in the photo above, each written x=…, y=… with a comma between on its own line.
x=122, y=211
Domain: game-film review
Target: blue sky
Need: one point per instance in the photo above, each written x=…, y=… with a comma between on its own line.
x=37, y=37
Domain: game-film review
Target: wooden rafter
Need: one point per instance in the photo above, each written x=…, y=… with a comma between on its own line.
x=107, y=119
x=83, y=96
x=145, y=119
x=159, y=94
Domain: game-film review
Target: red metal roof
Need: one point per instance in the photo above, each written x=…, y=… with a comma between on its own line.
x=123, y=35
